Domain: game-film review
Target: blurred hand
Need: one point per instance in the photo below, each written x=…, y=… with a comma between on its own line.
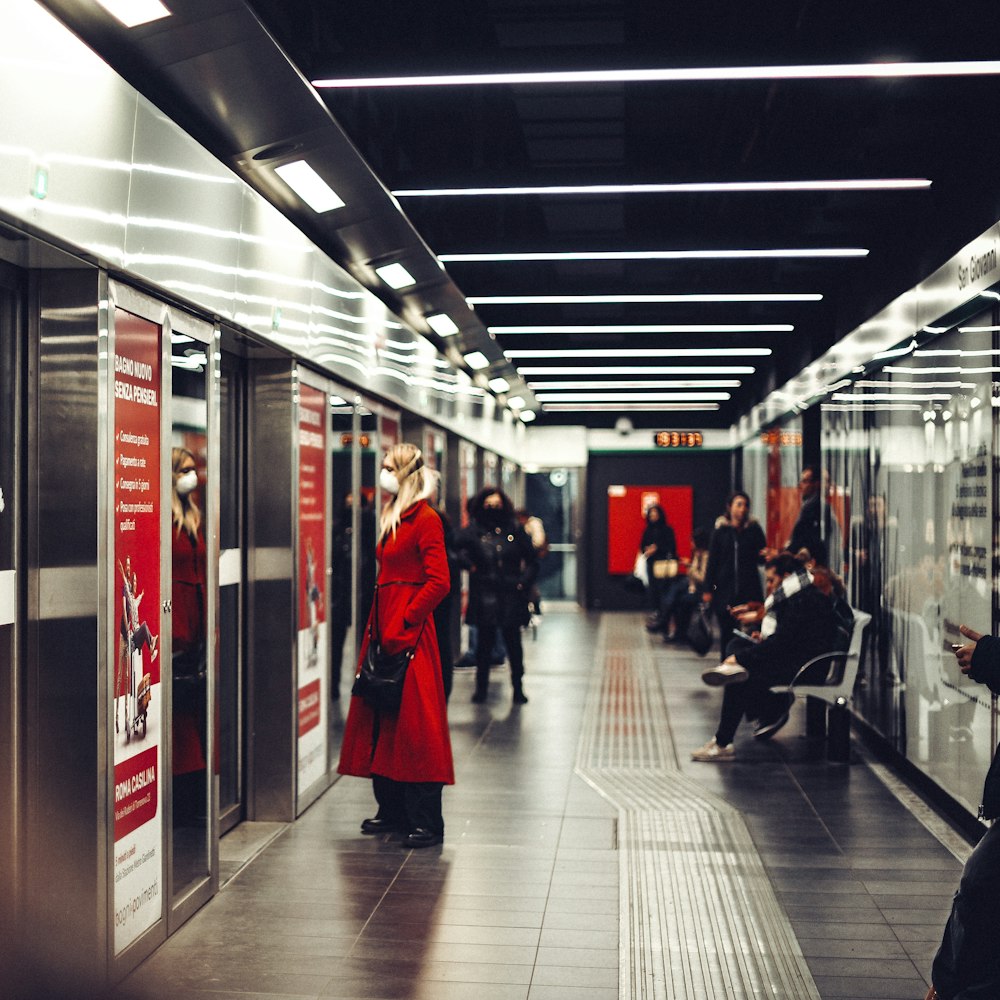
x=964, y=652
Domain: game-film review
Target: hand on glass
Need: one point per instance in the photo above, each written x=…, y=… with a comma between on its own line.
x=963, y=652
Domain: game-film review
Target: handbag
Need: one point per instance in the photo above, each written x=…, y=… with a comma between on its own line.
x=699, y=632
x=641, y=569
x=381, y=676
x=665, y=569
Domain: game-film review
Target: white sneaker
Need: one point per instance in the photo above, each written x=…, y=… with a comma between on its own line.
x=724, y=673
x=712, y=752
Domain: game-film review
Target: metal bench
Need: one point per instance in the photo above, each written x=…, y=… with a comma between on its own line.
x=826, y=701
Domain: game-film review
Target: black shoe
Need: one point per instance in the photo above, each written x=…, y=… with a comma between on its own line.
x=653, y=625
x=775, y=718
x=463, y=663
x=422, y=838
x=520, y=698
x=378, y=825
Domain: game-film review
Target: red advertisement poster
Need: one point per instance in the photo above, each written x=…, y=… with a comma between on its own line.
x=136, y=380
x=312, y=630
x=627, y=506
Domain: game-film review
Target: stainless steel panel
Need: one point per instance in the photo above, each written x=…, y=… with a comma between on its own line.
x=272, y=707
x=66, y=801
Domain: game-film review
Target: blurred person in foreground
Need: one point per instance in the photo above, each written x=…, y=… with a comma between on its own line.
x=967, y=964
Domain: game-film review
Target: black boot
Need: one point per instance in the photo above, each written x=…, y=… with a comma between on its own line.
x=482, y=684
x=520, y=698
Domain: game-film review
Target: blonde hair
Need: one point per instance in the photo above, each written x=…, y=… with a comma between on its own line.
x=416, y=482
x=185, y=510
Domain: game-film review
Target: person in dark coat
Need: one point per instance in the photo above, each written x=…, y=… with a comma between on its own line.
x=732, y=575
x=798, y=624
x=658, y=543
x=502, y=565
x=967, y=964
x=407, y=756
x=341, y=587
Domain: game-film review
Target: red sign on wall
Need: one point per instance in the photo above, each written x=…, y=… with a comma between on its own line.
x=627, y=506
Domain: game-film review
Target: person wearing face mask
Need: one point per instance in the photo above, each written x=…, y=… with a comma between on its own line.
x=502, y=565
x=188, y=626
x=407, y=755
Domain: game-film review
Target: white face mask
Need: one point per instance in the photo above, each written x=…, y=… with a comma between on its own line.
x=186, y=483
x=388, y=481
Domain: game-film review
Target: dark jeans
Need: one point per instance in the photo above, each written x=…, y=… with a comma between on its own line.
x=485, y=638
x=671, y=594
x=411, y=805
x=751, y=698
x=967, y=965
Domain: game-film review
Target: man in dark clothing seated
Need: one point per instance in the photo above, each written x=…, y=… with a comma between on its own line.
x=798, y=624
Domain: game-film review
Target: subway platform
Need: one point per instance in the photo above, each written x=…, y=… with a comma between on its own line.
x=588, y=858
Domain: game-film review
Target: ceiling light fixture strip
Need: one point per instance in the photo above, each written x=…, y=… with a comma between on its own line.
x=674, y=74
x=692, y=187
x=712, y=297
x=571, y=255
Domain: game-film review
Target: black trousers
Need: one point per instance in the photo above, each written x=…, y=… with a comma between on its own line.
x=967, y=965
x=411, y=805
x=485, y=638
x=751, y=698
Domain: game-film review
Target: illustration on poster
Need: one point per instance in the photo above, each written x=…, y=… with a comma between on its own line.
x=313, y=596
x=1, y=500
x=133, y=636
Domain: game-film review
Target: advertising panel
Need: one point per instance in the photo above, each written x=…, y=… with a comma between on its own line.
x=627, y=506
x=138, y=804
x=312, y=624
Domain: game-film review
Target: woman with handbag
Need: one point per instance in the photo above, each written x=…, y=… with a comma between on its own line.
x=659, y=545
x=406, y=753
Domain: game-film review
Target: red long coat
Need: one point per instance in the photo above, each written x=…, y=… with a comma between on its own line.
x=413, y=579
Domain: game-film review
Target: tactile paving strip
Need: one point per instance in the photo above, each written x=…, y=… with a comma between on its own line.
x=699, y=919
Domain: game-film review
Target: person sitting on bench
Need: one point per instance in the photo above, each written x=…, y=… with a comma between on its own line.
x=797, y=624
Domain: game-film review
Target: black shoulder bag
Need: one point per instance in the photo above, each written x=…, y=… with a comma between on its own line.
x=380, y=680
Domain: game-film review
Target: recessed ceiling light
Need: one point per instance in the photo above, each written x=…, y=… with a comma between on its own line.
x=638, y=370
x=135, y=12
x=648, y=328
x=692, y=187
x=527, y=416
x=309, y=186
x=669, y=74
x=655, y=352
x=477, y=360
x=499, y=384
x=395, y=275
x=632, y=397
x=514, y=300
x=442, y=324
x=569, y=255
x=516, y=402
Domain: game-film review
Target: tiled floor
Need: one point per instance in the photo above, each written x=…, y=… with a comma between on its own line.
x=524, y=900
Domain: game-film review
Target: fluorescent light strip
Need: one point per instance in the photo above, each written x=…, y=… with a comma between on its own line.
x=893, y=384
x=648, y=328
x=891, y=397
x=537, y=300
x=656, y=352
x=673, y=74
x=978, y=329
x=689, y=187
x=569, y=255
x=604, y=407
x=639, y=370
x=712, y=383
x=632, y=397
x=309, y=186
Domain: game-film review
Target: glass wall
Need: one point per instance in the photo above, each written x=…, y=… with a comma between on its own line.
x=912, y=446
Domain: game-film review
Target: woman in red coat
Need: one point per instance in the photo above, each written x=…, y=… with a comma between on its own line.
x=407, y=756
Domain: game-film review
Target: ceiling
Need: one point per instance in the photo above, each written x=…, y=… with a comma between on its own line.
x=944, y=129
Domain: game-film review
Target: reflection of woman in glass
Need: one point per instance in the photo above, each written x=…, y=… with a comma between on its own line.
x=407, y=755
x=188, y=617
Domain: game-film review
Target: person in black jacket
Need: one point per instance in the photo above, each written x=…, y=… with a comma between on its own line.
x=967, y=964
x=502, y=565
x=734, y=556
x=658, y=543
x=798, y=624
